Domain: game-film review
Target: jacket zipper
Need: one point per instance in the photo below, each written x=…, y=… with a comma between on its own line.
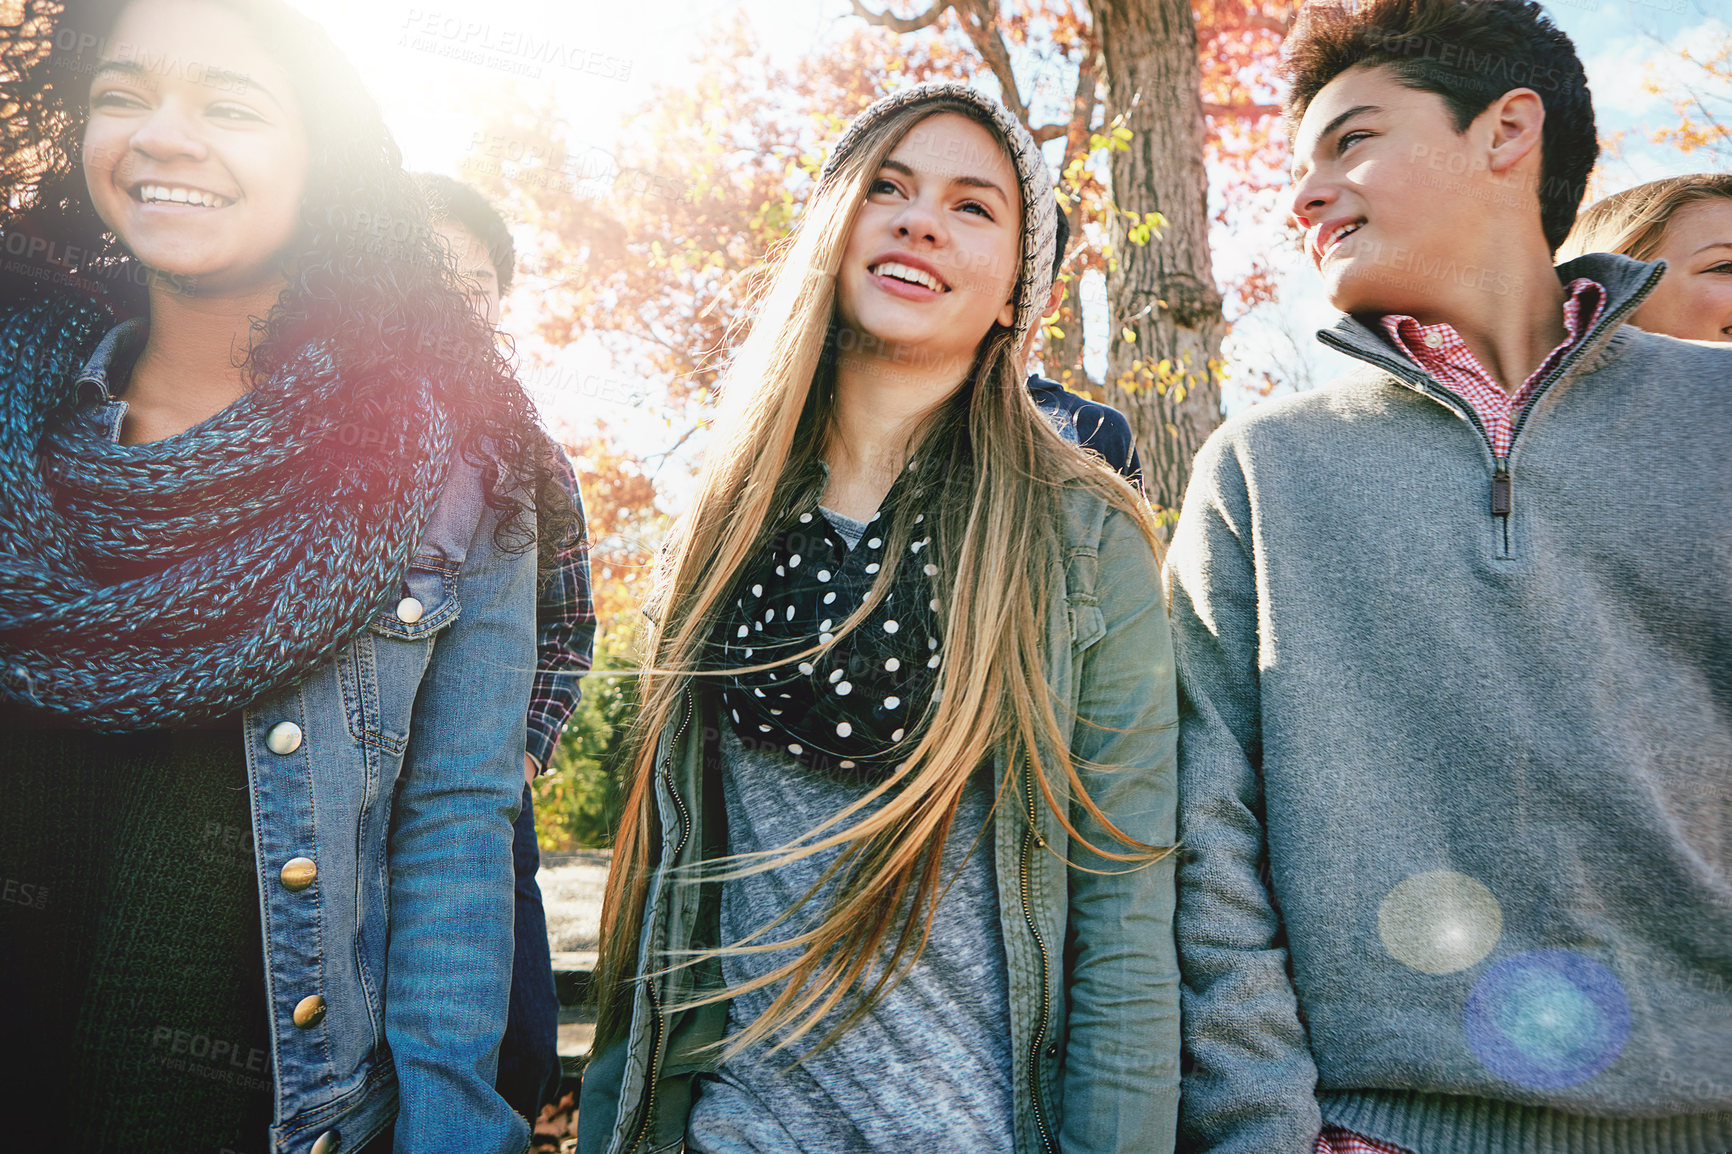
x=1500, y=478
x=1029, y=839
x=657, y=1019
x=1502, y=482
x=1502, y=497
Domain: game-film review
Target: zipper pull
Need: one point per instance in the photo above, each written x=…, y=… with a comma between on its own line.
x=1500, y=489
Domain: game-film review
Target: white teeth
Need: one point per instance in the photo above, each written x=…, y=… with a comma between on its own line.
x=913, y=275
x=164, y=194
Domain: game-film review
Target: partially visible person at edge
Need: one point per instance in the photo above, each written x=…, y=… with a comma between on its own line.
x=1093, y=425
x=893, y=872
x=1455, y=650
x=268, y=567
x=529, y=1069
x=1685, y=221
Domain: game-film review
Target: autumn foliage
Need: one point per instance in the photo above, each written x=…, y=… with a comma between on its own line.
x=654, y=250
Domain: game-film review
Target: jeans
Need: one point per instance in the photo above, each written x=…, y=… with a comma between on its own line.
x=529, y=1070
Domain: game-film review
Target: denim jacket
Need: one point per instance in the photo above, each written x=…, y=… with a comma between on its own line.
x=1092, y=969
x=383, y=788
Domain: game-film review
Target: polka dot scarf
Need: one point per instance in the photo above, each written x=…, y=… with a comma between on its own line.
x=852, y=710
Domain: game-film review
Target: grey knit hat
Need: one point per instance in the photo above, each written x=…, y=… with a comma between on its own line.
x=1039, y=208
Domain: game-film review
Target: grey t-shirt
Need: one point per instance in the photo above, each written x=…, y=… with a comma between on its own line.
x=929, y=1068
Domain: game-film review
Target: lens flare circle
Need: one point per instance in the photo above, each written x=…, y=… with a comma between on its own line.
x=1439, y=922
x=1546, y=1019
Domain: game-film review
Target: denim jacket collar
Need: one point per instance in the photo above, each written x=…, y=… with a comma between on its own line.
x=93, y=388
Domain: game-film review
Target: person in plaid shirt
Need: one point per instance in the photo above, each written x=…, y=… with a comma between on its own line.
x=1454, y=648
x=529, y=1069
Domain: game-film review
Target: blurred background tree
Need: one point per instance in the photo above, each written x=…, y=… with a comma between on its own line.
x=1701, y=96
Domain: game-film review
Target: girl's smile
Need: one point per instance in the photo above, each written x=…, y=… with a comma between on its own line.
x=170, y=196
x=199, y=175
x=908, y=277
x=932, y=258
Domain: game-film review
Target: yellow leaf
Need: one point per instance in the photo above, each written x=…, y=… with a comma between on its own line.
x=1130, y=337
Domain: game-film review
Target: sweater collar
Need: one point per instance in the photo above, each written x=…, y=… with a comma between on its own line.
x=1627, y=282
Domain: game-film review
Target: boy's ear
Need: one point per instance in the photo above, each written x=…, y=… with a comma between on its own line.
x=1517, y=122
x=1054, y=298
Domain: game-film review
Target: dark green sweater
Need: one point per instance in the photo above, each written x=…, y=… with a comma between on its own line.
x=133, y=973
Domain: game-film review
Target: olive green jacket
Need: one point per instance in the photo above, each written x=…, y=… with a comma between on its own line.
x=1092, y=968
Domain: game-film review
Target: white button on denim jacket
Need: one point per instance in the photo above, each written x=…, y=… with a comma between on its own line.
x=384, y=787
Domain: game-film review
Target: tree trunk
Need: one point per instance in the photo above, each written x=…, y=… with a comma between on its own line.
x=1163, y=291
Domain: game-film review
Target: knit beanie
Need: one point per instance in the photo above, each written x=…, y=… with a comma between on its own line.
x=1039, y=208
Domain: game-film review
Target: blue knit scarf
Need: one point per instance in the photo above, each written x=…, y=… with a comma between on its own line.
x=163, y=585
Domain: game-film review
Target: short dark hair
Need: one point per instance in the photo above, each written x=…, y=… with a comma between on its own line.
x=1469, y=52
x=1061, y=239
x=454, y=201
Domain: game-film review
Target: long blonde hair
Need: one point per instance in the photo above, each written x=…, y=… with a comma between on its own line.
x=1634, y=222
x=999, y=539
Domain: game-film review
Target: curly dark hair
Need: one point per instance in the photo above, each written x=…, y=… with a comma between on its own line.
x=366, y=273
x=1469, y=52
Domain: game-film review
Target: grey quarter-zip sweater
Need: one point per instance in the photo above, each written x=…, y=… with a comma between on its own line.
x=1456, y=757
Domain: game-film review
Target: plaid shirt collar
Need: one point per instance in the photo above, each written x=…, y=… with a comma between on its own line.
x=1439, y=346
x=1441, y=352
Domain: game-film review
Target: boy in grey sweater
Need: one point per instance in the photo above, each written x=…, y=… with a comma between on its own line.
x=1454, y=640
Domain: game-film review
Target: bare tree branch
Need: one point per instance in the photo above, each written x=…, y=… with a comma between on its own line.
x=1243, y=110
x=902, y=23
x=980, y=21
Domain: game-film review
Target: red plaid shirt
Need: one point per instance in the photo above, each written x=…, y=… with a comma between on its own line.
x=564, y=632
x=1335, y=1140
x=1440, y=351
